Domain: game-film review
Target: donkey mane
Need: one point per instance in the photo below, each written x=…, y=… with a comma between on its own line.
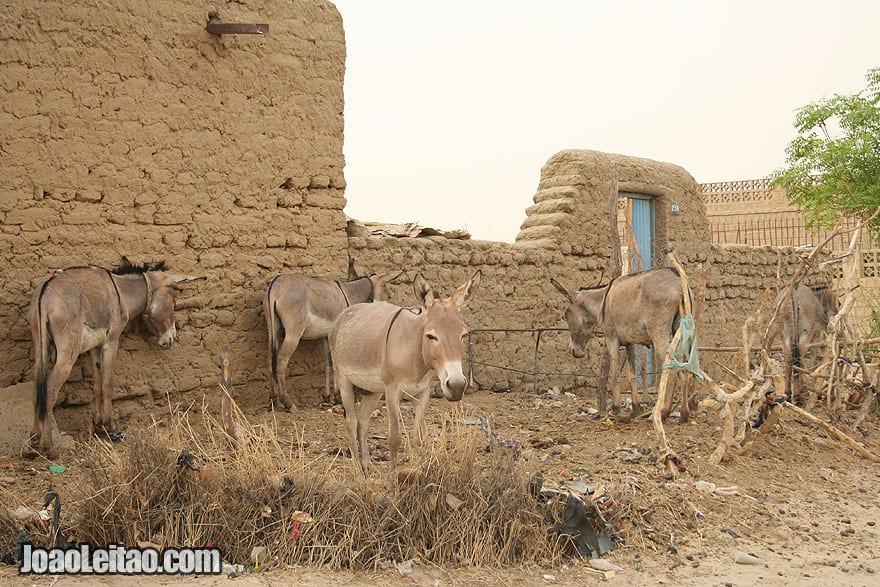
x=128, y=268
x=627, y=275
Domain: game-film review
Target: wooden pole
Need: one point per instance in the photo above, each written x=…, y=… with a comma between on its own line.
x=605, y=375
x=847, y=440
x=226, y=400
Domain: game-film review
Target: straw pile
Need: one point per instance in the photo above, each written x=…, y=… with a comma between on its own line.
x=457, y=502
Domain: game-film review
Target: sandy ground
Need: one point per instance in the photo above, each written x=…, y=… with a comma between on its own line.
x=806, y=505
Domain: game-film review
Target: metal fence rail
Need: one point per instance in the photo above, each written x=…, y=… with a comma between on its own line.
x=535, y=372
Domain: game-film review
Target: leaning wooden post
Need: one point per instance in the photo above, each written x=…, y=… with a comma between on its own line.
x=847, y=440
x=667, y=455
x=605, y=375
x=226, y=400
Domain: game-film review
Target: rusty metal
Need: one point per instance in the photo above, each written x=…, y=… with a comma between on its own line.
x=215, y=27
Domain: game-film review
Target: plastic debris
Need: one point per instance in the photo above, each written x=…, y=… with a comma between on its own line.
x=259, y=555
x=744, y=558
x=301, y=516
x=232, y=571
x=581, y=487
x=405, y=568
x=600, y=564
x=57, y=468
x=453, y=502
x=709, y=487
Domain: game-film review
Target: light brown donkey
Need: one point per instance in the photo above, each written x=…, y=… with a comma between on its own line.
x=298, y=307
x=380, y=348
x=86, y=309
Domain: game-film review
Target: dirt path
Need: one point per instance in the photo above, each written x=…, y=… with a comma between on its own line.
x=805, y=505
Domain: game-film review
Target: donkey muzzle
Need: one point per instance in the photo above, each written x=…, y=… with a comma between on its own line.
x=167, y=339
x=577, y=353
x=453, y=383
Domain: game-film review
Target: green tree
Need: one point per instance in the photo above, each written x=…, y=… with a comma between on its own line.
x=833, y=165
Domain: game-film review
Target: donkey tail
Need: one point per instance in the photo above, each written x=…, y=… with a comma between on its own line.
x=41, y=357
x=271, y=323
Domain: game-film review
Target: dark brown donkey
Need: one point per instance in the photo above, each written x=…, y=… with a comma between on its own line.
x=298, y=307
x=803, y=318
x=638, y=308
x=86, y=309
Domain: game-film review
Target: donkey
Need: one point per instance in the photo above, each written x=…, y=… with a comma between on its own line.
x=638, y=308
x=803, y=318
x=298, y=307
x=86, y=309
x=381, y=348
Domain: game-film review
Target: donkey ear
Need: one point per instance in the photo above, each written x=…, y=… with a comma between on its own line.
x=354, y=269
x=466, y=290
x=389, y=278
x=423, y=290
x=181, y=279
x=561, y=289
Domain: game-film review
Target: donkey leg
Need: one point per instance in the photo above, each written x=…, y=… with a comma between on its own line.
x=59, y=374
x=108, y=422
x=787, y=359
x=330, y=396
x=292, y=335
x=368, y=403
x=632, y=380
x=419, y=432
x=613, y=372
x=346, y=393
x=392, y=403
x=686, y=389
x=97, y=388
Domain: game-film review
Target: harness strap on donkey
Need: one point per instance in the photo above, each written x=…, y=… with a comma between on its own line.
x=414, y=311
x=369, y=299
x=345, y=297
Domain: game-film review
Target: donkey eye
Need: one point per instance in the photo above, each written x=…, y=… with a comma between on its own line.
x=431, y=337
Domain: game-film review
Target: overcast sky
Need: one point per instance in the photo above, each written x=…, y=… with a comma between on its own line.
x=451, y=108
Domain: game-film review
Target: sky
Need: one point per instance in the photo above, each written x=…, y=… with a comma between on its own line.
x=453, y=107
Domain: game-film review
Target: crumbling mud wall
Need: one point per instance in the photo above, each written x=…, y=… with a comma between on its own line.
x=566, y=236
x=128, y=129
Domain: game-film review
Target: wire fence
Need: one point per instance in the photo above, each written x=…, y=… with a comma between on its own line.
x=781, y=229
x=540, y=335
x=535, y=371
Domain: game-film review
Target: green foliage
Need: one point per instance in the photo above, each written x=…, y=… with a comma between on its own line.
x=833, y=165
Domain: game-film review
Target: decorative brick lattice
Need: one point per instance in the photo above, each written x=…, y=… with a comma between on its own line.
x=733, y=192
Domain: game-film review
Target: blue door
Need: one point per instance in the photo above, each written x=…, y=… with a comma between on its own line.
x=642, y=222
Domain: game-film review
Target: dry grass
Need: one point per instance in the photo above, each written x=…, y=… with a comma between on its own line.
x=457, y=503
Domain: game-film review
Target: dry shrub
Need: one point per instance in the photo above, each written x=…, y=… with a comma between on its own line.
x=460, y=501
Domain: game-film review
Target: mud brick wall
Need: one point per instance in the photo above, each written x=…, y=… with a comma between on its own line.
x=736, y=278
x=127, y=129
x=565, y=236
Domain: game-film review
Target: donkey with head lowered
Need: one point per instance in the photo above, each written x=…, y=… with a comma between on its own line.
x=637, y=308
x=298, y=307
x=86, y=309
x=803, y=318
x=379, y=349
